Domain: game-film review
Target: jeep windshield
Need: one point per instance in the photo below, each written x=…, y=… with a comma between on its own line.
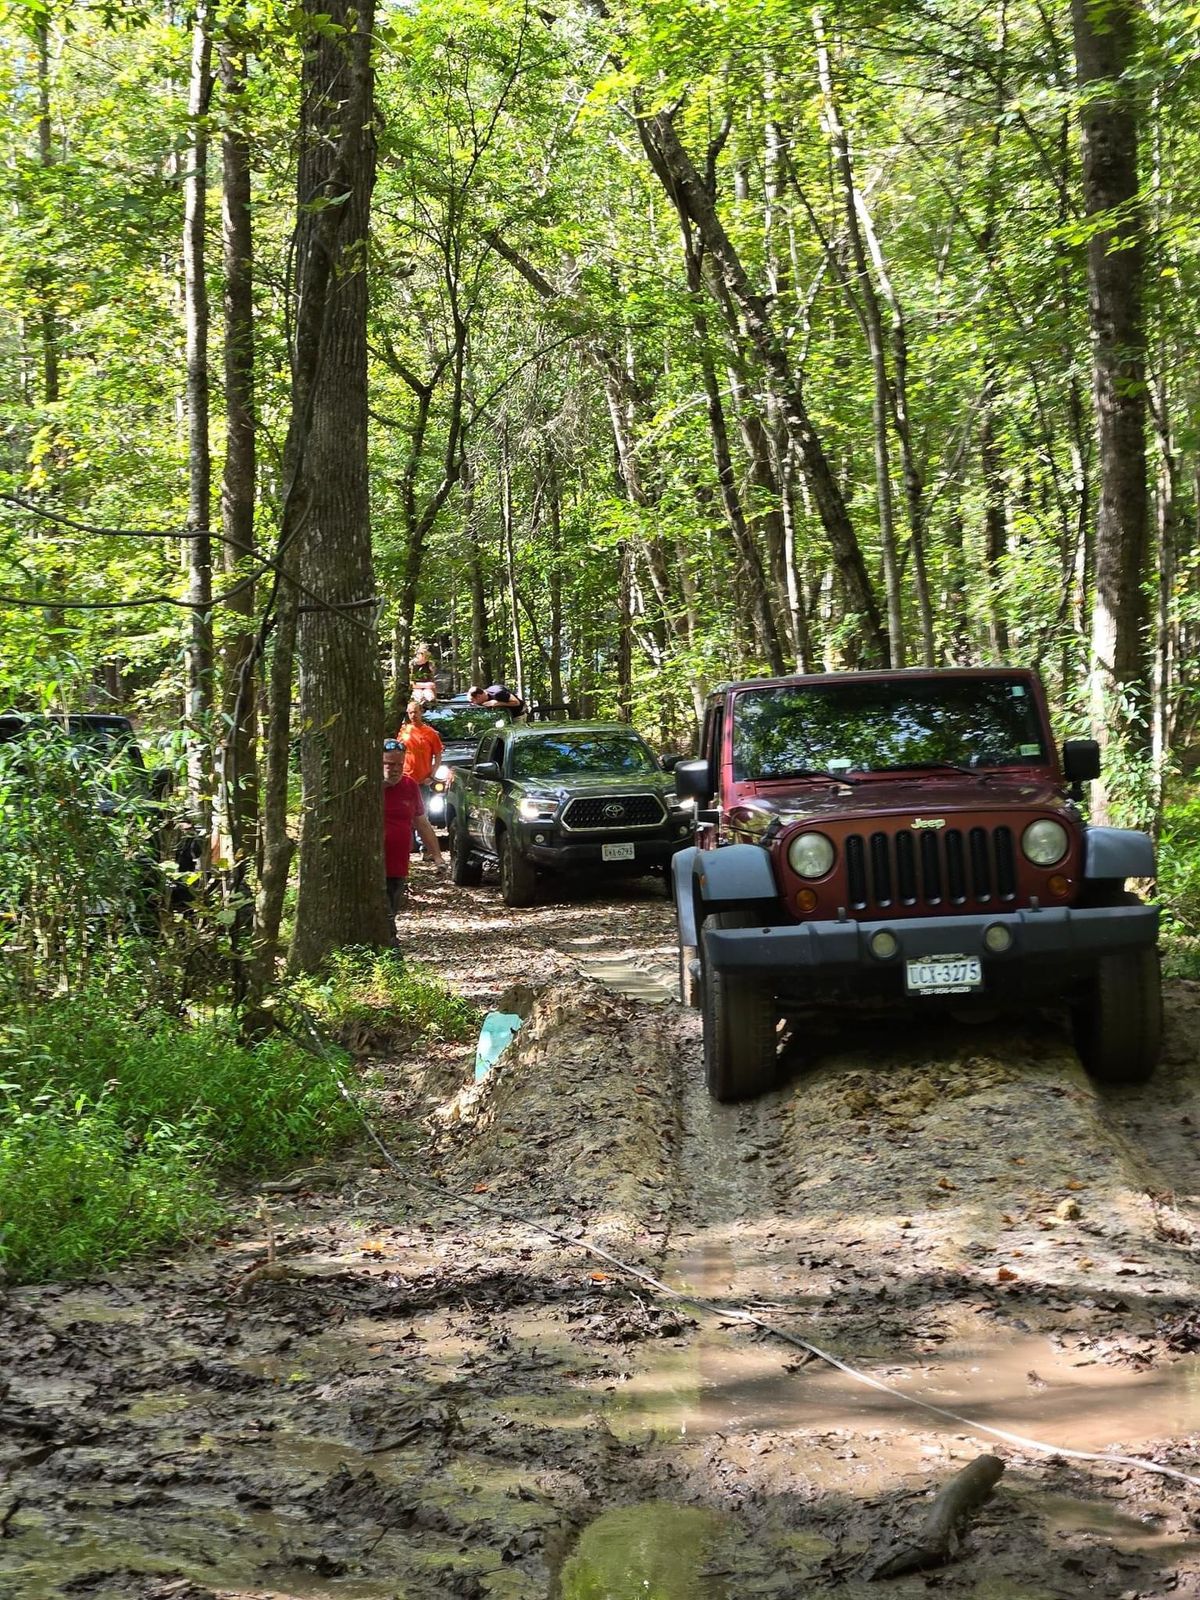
x=558, y=755
x=464, y=724
x=873, y=725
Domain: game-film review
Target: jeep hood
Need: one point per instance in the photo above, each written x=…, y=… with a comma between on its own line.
x=929, y=794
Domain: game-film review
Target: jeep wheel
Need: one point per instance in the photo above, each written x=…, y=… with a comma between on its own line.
x=1118, y=1023
x=465, y=869
x=518, y=880
x=740, y=1026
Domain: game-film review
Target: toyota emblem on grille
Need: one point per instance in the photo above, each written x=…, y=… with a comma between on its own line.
x=613, y=811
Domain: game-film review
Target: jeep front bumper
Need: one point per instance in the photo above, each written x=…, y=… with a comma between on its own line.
x=1044, y=944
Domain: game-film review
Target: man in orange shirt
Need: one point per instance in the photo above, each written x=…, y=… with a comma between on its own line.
x=422, y=749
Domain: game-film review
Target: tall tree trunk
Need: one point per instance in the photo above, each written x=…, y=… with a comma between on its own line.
x=341, y=899
x=1105, y=49
x=50, y=381
x=676, y=172
x=873, y=326
x=554, y=503
x=510, y=565
x=198, y=719
x=481, y=642
x=324, y=174
x=238, y=787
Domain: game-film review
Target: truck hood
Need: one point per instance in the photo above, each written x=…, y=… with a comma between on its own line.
x=578, y=783
x=929, y=794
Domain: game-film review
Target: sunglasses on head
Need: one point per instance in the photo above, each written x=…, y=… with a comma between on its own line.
x=392, y=744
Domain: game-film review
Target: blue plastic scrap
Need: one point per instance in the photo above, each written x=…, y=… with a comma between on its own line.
x=494, y=1039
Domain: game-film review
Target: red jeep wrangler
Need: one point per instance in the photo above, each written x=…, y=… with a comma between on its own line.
x=907, y=836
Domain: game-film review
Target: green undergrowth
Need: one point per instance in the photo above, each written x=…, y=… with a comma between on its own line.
x=375, y=999
x=1179, y=887
x=116, y=1131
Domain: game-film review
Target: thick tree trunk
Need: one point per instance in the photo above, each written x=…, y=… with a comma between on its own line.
x=679, y=176
x=341, y=899
x=199, y=701
x=1105, y=47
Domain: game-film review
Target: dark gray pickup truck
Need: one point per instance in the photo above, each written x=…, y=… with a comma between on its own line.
x=555, y=798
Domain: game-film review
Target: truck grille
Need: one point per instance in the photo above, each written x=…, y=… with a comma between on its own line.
x=952, y=867
x=615, y=811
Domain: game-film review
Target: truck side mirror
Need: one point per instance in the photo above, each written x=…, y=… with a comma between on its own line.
x=162, y=781
x=669, y=762
x=694, y=781
x=487, y=770
x=1081, y=763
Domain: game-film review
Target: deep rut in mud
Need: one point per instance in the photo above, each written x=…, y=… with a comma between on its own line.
x=426, y=1399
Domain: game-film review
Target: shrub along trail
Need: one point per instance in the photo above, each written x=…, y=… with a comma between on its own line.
x=406, y=1395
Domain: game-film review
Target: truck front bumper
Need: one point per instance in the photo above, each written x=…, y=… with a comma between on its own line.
x=1044, y=946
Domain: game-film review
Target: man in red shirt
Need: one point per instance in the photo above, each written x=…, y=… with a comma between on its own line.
x=403, y=810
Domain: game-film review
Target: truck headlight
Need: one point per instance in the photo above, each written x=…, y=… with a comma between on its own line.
x=1044, y=842
x=443, y=773
x=536, y=809
x=810, y=855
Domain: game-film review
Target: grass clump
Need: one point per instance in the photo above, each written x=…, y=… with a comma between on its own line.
x=375, y=996
x=113, y=1131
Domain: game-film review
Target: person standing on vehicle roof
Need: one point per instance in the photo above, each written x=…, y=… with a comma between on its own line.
x=496, y=694
x=403, y=811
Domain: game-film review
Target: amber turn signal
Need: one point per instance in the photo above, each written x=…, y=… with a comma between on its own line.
x=806, y=900
x=1057, y=884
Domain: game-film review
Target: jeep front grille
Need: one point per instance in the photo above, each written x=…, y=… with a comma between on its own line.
x=614, y=812
x=952, y=867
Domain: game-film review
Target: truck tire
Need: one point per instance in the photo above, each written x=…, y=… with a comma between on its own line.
x=1118, y=1024
x=740, y=1025
x=518, y=880
x=465, y=869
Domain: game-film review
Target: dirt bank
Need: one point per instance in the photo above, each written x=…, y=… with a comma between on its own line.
x=423, y=1398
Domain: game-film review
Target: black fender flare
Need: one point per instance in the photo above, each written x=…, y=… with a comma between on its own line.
x=1118, y=853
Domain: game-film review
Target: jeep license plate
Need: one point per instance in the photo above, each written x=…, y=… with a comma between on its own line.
x=622, y=852
x=945, y=975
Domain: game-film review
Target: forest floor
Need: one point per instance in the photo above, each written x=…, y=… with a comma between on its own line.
x=426, y=1396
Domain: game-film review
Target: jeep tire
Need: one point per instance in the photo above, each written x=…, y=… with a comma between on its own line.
x=740, y=1025
x=465, y=869
x=518, y=879
x=1118, y=1023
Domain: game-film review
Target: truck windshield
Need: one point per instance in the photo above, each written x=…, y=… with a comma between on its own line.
x=864, y=725
x=464, y=724
x=557, y=754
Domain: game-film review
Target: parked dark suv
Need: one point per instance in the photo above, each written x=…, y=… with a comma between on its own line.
x=906, y=837
x=112, y=764
x=553, y=798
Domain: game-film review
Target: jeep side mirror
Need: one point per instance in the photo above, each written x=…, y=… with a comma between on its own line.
x=1081, y=761
x=694, y=781
x=486, y=769
x=162, y=781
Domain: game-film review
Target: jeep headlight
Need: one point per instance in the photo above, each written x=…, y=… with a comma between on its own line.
x=537, y=808
x=810, y=855
x=1045, y=842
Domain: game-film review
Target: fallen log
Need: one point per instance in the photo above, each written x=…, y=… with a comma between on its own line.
x=936, y=1540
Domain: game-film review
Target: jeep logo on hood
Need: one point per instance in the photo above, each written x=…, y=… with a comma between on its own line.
x=929, y=822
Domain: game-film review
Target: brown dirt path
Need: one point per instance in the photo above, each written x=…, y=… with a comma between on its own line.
x=428, y=1400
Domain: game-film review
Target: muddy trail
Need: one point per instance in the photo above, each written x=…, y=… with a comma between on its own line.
x=374, y=1387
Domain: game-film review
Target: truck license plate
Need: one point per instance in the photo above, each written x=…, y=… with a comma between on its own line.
x=945, y=975
x=621, y=852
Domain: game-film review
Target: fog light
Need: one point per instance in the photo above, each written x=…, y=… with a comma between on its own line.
x=1058, y=884
x=539, y=838
x=806, y=900
x=997, y=938
x=884, y=945
x=683, y=828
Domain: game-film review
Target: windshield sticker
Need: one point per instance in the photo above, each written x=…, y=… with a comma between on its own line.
x=1017, y=691
x=1031, y=749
